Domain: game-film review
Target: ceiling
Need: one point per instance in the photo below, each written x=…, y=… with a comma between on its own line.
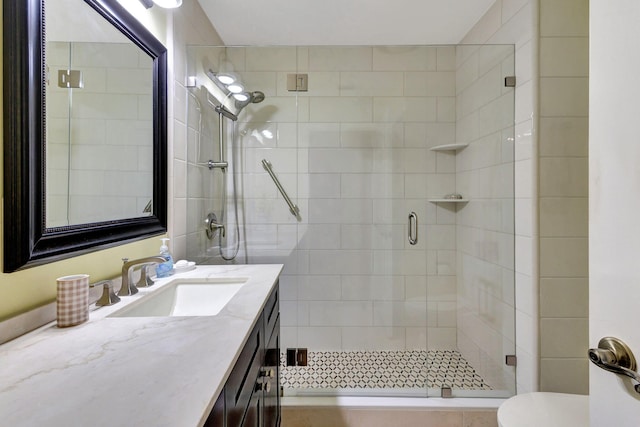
x=343, y=22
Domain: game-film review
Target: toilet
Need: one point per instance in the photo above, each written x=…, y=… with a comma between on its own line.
x=544, y=409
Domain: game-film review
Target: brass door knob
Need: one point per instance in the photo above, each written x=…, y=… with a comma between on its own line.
x=615, y=356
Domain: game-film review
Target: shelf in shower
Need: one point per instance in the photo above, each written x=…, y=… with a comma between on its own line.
x=448, y=147
x=448, y=200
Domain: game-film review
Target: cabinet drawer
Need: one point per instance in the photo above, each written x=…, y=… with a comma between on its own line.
x=242, y=381
x=271, y=405
x=271, y=311
x=251, y=396
x=216, y=417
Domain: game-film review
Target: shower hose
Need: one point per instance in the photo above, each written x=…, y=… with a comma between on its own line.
x=225, y=192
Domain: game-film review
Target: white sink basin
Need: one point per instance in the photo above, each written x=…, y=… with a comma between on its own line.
x=185, y=297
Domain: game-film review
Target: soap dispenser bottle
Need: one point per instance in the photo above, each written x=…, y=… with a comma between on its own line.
x=166, y=268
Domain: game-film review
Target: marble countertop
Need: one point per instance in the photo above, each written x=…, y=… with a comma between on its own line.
x=116, y=371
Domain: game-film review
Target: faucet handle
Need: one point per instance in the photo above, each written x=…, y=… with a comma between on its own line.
x=108, y=296
x=145, y=281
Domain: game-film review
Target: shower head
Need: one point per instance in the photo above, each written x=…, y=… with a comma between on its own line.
x=254, y=97
x=241, y=100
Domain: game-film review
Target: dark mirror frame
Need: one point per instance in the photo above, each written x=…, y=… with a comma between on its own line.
x=27, y=241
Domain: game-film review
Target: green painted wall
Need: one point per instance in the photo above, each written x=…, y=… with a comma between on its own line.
x=33, y=287
x=27, y=289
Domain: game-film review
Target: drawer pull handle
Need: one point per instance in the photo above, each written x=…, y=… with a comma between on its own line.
x=263, y=385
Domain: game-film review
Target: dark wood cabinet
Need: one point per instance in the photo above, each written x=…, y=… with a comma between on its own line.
x=271, y=364
x=241, y=384
x=216, y=417
x=271, y=405
x=251, y=395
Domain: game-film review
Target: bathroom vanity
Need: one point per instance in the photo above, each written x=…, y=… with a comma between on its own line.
x=182, y=369
x=251, y=395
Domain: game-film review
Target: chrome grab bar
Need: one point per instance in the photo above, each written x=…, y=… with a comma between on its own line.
x=295, y=211
x=413, y=228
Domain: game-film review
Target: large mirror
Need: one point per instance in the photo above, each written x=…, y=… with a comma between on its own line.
x=84, y=130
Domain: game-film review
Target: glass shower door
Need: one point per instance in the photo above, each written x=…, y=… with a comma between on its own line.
x=485, y=225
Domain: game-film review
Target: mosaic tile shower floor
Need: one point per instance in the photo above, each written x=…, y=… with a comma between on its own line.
x=382, y=369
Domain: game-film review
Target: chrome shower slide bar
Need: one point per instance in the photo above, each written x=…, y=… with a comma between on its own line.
x=295, y=211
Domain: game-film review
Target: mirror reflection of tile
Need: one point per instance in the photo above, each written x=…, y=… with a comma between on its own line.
x=99, y=135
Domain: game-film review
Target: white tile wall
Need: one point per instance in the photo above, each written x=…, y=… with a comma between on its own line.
x=338, y=109
x=338, y=58
x=371, y=84
x=405, y=58
x=352, y=152
x=405, y=109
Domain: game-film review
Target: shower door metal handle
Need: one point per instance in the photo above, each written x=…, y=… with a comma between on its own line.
x=413, y=228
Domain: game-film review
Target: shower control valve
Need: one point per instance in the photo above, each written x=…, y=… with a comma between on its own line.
x=211, y=226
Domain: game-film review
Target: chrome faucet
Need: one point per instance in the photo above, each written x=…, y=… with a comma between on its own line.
x=128, y=287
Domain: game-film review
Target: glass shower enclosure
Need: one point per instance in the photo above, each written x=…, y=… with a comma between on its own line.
x=399, y=267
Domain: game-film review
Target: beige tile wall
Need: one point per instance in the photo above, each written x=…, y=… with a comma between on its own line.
x=563, y=195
